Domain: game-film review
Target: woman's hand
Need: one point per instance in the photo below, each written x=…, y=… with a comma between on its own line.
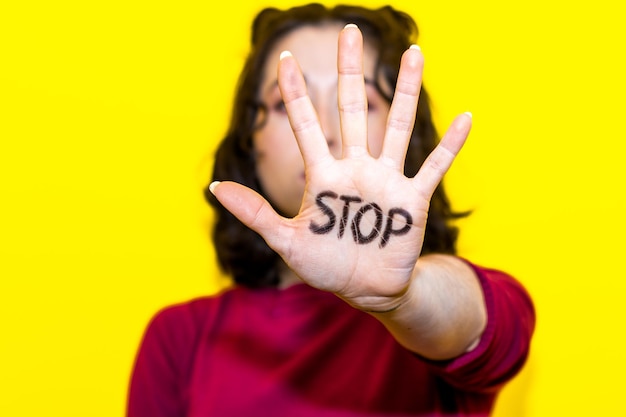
x=360, y=229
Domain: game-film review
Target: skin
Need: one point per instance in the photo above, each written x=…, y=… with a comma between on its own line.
x=433, y=305
x=280, y=166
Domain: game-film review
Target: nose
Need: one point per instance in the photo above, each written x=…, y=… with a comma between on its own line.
x=329, y=120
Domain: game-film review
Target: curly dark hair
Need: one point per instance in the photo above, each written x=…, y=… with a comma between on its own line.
x=241, y=252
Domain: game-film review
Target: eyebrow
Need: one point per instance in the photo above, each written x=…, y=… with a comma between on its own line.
x=274, y=84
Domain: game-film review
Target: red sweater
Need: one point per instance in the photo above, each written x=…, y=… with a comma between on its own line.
x=301, y=352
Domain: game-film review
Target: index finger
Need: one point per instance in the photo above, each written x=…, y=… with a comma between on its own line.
x=302, y=115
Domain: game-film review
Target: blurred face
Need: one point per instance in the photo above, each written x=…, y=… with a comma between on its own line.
x=279, y=164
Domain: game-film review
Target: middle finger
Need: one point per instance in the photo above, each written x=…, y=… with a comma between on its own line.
x=352, y=99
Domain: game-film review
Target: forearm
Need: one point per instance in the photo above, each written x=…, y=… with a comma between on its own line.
x=443, y=312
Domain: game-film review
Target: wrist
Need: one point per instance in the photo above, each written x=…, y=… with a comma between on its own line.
x=379, y=304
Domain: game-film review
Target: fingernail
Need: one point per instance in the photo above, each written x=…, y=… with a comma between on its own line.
x=284, y=54
x=213, y=185
x=414, y=46
x=350, y=25
x=469, y=114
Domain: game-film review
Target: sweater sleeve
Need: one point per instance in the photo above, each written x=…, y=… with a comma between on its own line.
x=505, y=343
x=160, y=378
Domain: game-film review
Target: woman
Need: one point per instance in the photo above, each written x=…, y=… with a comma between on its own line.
x=350, y=300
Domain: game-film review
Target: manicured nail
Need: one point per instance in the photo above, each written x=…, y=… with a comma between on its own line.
x=284, y=54
x=415, y=47
x=213, y=185
x=350, y=25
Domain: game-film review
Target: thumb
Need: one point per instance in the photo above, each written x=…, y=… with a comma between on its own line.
x=250, y=208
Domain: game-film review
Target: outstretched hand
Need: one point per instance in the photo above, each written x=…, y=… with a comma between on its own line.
x=360, y=228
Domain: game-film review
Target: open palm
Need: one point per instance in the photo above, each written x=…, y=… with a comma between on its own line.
x=361, y=225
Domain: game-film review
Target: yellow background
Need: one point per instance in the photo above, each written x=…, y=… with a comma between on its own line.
x=109, y=111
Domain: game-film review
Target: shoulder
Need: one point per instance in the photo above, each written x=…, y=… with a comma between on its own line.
x=173, y=333
x=187, y=311
x=164, y=361
x=184, y=320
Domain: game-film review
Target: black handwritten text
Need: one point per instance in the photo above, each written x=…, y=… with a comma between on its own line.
x=358, y=234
